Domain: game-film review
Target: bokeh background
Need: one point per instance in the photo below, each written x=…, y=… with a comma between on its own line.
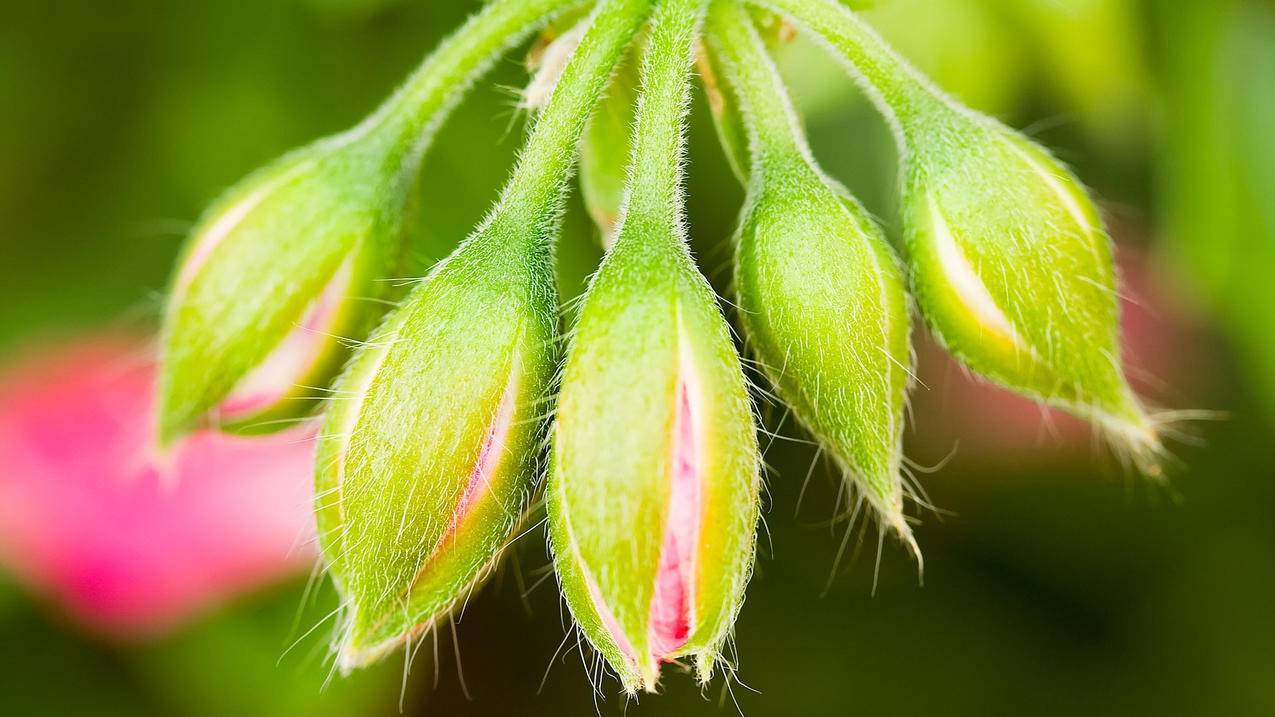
x=1056, y=582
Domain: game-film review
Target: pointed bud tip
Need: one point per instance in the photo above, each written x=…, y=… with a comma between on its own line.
x=353, y=655
x=1138, y=436
x=895, y=521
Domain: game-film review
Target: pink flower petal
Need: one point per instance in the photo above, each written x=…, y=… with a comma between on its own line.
x=128, y=546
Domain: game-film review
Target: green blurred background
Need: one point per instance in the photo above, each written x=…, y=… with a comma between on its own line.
x=1055, y=584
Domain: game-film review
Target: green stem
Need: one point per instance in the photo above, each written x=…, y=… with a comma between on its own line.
x=655, y=170
x=533, y=197
x=898, y=89
x=419, y=106
x=774, y=130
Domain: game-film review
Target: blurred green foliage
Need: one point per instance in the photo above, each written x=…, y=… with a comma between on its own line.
x=1055, y=589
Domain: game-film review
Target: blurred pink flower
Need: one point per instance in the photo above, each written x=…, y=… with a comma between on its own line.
x=127, y=546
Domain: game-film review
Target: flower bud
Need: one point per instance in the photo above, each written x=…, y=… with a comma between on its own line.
x=428, y=453
x=290, y=261
x=821, y=296
x=272, y=278
x=654, y=487
x=653, y=491
x=825, y=309
x=1013, y=270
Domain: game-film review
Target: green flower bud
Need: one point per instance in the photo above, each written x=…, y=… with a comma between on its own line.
x=428, y=454
x=821, y=295
x=288, y=263
x=653, y=492
x=1009, y=260
x=654, y=486
x=1013, y=270
x=270, y=281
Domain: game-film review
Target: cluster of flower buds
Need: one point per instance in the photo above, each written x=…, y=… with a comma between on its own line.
x=434, y=436
x=1009, y=261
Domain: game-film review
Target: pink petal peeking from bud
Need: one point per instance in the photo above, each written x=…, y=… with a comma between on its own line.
x=490, y=454
x=477, y=486
x=127, y=547
x=293, y=359
x=672, y=603
x=287, y=366
x=214, y=235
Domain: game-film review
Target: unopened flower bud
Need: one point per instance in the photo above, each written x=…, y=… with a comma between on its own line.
x=825, y=309
x=653, y=490
x=271, y=280
x=1013, y=270
x=821, y=295
x=291, y=261
x=654, y=486
x=428, y=451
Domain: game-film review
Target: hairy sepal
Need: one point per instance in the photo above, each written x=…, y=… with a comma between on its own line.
x=652, y=349
x=824, y=305
x=1012, y=268
x=429, y=456
x=328, y=217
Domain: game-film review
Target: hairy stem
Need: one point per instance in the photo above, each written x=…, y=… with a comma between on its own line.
x=774, y=131
x=898, y=89
x=430, y=93
x=533, y=196
x=655, y=170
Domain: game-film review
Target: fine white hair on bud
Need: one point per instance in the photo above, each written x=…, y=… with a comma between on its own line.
x=653, y=493
x=821, y=295
x=426, y=460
